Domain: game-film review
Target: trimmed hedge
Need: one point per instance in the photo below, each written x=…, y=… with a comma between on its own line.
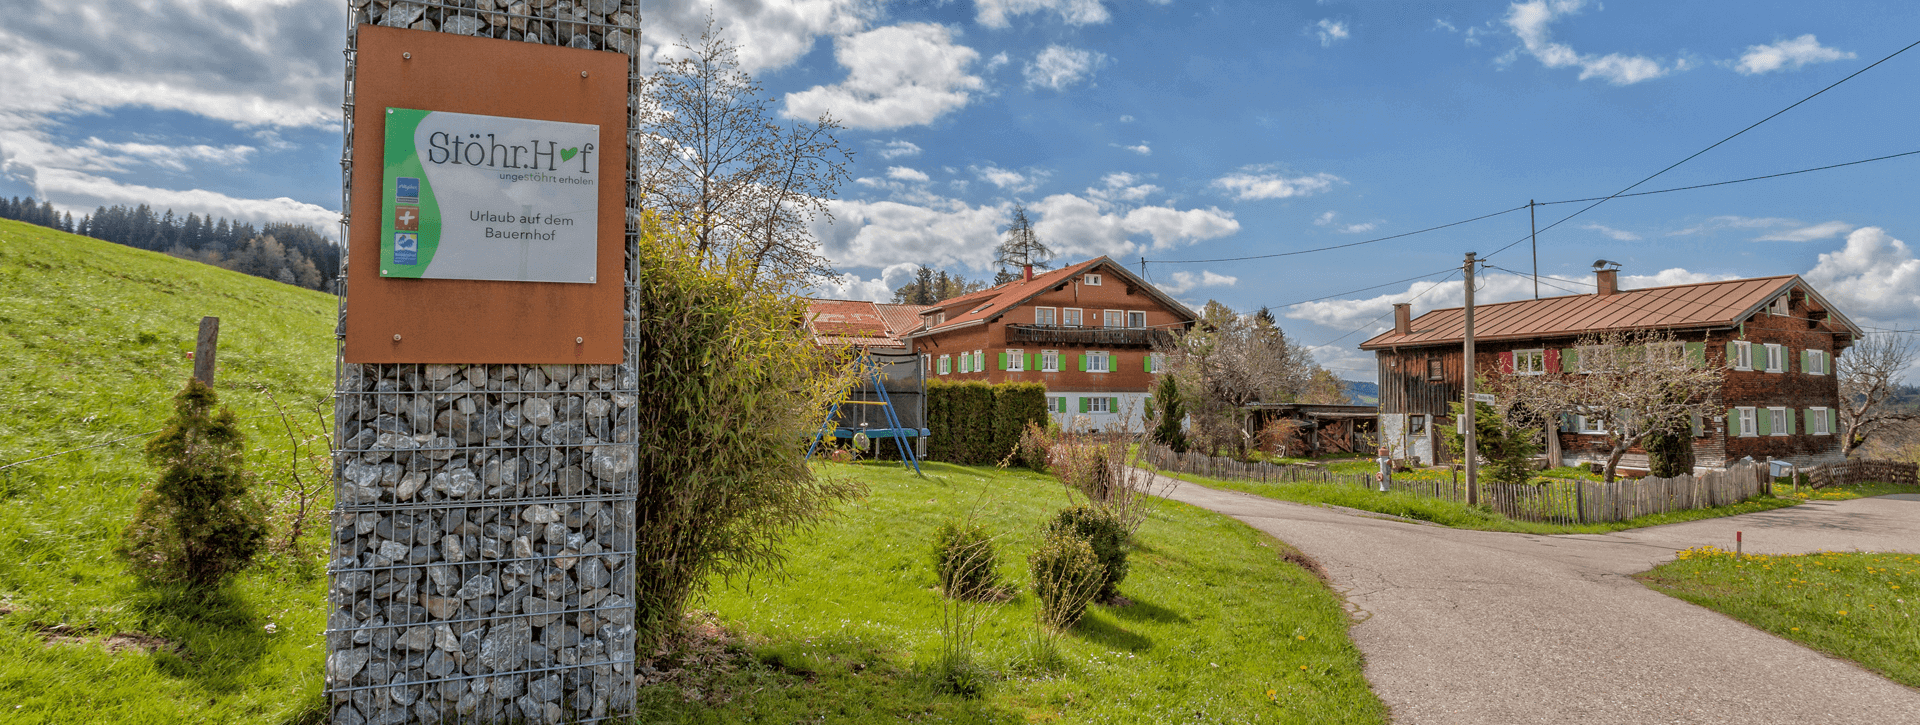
x=976, y=423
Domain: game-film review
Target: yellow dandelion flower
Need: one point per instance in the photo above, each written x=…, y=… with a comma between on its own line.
x=1843, y=612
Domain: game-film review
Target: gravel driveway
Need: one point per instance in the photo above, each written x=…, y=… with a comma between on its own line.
x=1482, y=627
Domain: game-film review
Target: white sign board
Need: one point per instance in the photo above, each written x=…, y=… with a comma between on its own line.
x=489, y=198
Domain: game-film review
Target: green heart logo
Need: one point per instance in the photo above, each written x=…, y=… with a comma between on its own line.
x=568, y=154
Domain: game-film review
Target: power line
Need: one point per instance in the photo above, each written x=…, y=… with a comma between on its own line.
x=1362, y=289
x=1336, y=246
x=1735, y=181
x=1716, y=144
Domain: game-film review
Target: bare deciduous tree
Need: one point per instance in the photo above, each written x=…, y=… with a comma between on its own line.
x=1228, y=362
x=712, y=162
x=1022, y=247
x=1870, y=374
x=1632, y=383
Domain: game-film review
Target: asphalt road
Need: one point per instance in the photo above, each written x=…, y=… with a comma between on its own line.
x=1482, y=627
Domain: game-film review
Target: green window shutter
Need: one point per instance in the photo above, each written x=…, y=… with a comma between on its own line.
x=1808, y=414
x=1003, y=361
x=1570, y=360
x=1733, y=353
x=1113, y=405
x=1763, y=421
x=1697, y=354
x=1792, y=429
x=1083, y=368
x=1733, y=422
x=1806, y=361
x=1086, y=404
x=1146, y=362
x=1833, y=421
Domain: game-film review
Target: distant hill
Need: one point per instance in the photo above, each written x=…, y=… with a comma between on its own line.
x=1362, y=392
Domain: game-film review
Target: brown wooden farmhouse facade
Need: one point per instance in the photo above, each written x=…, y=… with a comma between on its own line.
x=1776, y=336
x=1087, y=331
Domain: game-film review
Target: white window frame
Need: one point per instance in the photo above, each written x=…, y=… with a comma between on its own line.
x=1417, y=424
x=1099, y=404
x=1051, y=319
x=1099, y=361
x=1057, y=404
x=1742, y=355
x=1109, y=317
x=1049, y=361
x=1072, y=317
x=1819, y=414
x=1141, y=317
x=946, y=365
x=1776, y=358
x=1158, y=360
x=1749, y=422
x=1585, y=425
x=1016, y=360
x=1538, y=356
x=979, y=361
x=1819, y=359
x=1091, y=280
x=1778, y=306
x=1782, y=421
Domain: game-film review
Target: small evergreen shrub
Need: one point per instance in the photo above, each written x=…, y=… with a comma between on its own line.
x=1066, y=576
x=1670, y=452
x=199, y=523
x=1106, y=535
x=965, y=562
x=1167, y=413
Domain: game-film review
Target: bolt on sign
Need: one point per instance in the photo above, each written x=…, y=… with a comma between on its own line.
x=488, y=206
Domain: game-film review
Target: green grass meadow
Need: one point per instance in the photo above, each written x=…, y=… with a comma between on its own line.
x=1222, y=627
x=1860, y=606
x=93, y=344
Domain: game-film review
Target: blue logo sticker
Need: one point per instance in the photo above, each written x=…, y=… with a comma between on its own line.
x=406, y=248
x=408, y=189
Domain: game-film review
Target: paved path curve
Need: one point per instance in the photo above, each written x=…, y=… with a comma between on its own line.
x=1482, y=627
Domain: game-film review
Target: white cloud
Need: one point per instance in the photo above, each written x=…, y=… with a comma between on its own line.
x=999, y=59
x=175, y=157
x=1122, y=188
x=995, y=13
x=1618, y=235
x=1823, y=230
x=1360, y=228
x=1258, y=183
x=80, y=192
x=943, y=233
x=854, y=287
x=769, y=34
x=902, y=173
x=1731, y=222
x=1324, y=219
x=1080, y=227
x=899, y=75
x=1058, y=66
x=1529, y=21
x=1143, y=149
x=1009, y=180
x=1442, y=24
x=1180, y=282
x=1330, y=31
x=897, y=149
x=1874, y=279
x=1787, y=55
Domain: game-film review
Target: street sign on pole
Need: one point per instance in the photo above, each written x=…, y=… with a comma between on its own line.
x=1483, y=398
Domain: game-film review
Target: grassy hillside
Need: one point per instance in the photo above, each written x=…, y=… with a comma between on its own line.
x=93, y=343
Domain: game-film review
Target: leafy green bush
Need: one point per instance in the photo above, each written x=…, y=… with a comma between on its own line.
x=731, y=392
x=1670, y=453
x=1107, y=536
x=964, y=560
x=1066, y=576
x=1508, y=449
x=976, y=423
x=199, y=523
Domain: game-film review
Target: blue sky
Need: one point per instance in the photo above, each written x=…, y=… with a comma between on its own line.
x=1166, y=129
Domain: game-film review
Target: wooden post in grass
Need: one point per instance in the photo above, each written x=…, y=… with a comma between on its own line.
x=204, y=349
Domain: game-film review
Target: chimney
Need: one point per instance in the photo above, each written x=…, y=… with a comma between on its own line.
x=1026, y=274
x=1608, y=280
x=1403, y=318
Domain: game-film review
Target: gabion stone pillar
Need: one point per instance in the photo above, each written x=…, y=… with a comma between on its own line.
x=482, y=533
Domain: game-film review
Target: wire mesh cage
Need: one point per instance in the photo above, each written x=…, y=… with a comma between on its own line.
x=482, y=534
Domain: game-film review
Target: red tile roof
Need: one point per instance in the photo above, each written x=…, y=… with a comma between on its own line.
x=855, y=322
x=975, y=307
x=1704, y=304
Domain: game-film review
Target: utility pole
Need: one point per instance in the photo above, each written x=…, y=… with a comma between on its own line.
x=1533, y=232
x=1470, y=452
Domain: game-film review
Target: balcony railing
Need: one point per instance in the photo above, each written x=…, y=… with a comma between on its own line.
x=1091, y=336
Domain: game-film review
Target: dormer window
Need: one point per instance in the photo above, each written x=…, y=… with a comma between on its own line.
x=940, y=318
x=1092, y=280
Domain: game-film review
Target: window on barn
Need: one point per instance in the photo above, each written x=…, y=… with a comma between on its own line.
x=1817, y=422
x=1742, y=355
x=1776, y=358
x=1434, y=369
x=1748, y=427
x=1529, y=362
x=1781, y=424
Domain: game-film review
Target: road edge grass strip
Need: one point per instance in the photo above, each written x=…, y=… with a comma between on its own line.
x=1858, y=606
x=1458, y=515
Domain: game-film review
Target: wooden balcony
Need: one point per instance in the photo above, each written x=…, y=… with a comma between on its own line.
x=1087, y=336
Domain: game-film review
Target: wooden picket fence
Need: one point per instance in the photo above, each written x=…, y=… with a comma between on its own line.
x=1557, y=502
